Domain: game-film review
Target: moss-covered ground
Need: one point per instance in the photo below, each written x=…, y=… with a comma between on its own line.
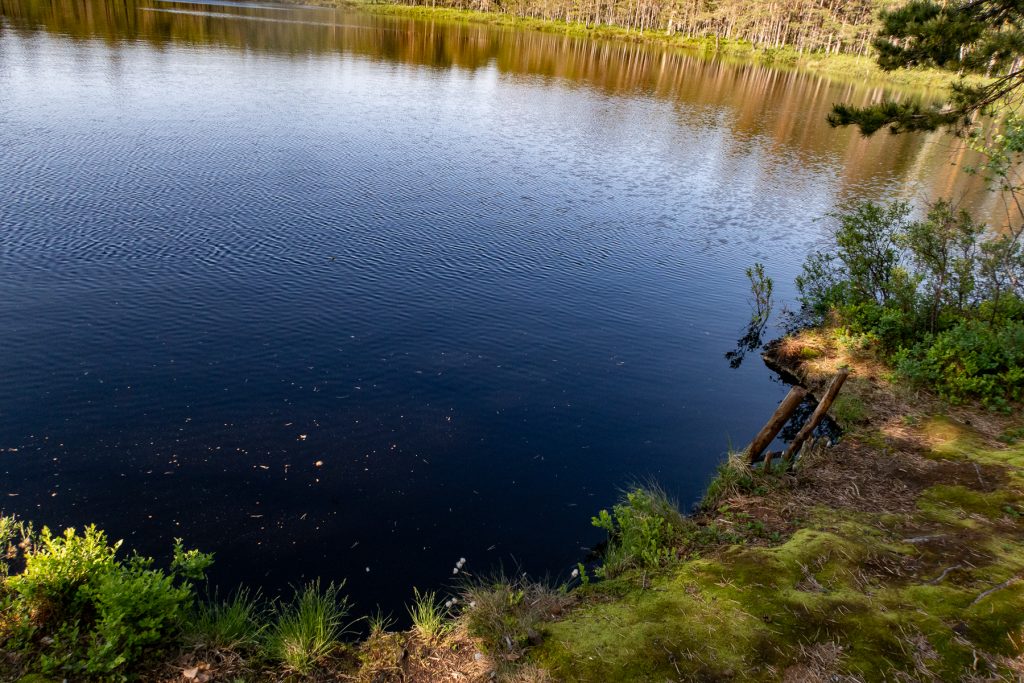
x=900, y=557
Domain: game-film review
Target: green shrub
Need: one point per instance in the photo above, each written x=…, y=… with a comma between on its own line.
x=137, y=607
x=58, y=567
x=644, y=530
x=79, y=610
x=941, y=297
x=1012, y=435
x=972, y=359
x=309, y=629
x=189, y=565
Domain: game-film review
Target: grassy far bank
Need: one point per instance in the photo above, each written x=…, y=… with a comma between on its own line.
x=838, y=66
x=897, y=554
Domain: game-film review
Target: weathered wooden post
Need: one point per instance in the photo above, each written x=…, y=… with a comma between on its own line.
x=776, y=423
x=817, y=415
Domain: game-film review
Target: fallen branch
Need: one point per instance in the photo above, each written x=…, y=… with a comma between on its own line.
x=990, y=591
x=945, y=572
x=817, y=416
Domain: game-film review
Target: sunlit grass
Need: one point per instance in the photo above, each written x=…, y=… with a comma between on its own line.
x=309, y=629
x=429, y=616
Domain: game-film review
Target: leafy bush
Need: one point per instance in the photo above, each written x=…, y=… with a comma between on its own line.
x=309, y=629
x=136, y=607
x=80, y=610
x=971, y=359
x=643, y=530
x=939, y=296
x=58, y=567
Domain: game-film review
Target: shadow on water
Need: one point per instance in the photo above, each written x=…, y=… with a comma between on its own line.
x=827, y=428
x=750, y=341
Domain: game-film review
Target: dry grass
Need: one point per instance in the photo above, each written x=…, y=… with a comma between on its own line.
x=506, y=614
x=814, y=356
x=818, y=664
x=456, y=658
x=884, y=462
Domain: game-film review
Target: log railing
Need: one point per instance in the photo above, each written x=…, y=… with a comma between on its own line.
x=781, y=416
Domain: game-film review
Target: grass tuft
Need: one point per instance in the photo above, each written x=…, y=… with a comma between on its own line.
x=429, y=616
x=309, y=628
x=506, y=614
x=379, y=622
x=734, y=477
x=234, y=624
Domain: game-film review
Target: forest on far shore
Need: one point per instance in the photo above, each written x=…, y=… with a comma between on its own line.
x=829, y=26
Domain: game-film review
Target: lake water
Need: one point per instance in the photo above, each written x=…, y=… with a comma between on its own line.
x=333, y=293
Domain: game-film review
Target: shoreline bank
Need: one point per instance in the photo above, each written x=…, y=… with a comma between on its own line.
x=840, y=67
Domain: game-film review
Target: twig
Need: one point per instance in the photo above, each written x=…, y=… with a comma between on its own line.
x=946, y=571
x=990, y=591
x=923, y=539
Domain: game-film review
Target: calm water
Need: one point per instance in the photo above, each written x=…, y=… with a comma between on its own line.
x=330, y=293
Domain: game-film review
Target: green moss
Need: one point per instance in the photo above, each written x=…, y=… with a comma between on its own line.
x=873, y=438
x=675, y=625
x=810, y=353
x=849, y=410
x=958, y=441
x=994, y=622
x=957, y=504
x=944, y=601
x=745, y=613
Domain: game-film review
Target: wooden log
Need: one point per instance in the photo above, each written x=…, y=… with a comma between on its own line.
x=776, y=423
x=768, y=457
x=817, y=415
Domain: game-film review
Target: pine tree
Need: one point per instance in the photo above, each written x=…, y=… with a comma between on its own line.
x=967, y=37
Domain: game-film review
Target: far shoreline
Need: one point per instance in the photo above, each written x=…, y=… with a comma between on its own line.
x=845, y=68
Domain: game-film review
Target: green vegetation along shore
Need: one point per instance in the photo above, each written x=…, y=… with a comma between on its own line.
x=897, y=554
x=835, y=65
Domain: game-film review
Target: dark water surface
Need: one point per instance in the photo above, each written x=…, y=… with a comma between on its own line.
x=330, y=293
